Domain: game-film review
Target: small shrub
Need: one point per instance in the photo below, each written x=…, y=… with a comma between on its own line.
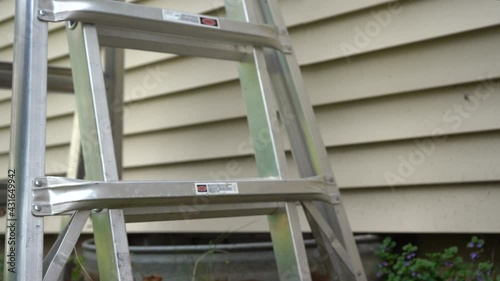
x=448, y=265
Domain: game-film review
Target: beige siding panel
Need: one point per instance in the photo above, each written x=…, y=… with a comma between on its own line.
x=57, y=47
x=305, y=11
x=57, y=105
x=8, y=40
x=56, y=160
x=213, y=140
x=201, y=105
x=7, y=10
x=4, y=140
x=5, y=94
x=451, y=110
x=59, y=130
x=177, y=75
x=442, y=62
x=446, y=209
x=216, y=169
x=457, y=159
x=60, y=62
x=7, y=37
x=4, y=113
x=389, y=25
x=60, y=104
x=58, y=133
x=52, y=225
x=58, y=44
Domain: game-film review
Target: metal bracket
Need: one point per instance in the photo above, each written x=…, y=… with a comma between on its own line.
x=56, y=195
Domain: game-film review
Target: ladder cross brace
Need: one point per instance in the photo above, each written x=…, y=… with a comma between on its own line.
x=57, y=195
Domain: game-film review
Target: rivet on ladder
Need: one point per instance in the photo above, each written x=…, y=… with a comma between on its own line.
x=72, y=24
x=37, y=208
x=330, y=180
x=42, y=12
x=38, y=183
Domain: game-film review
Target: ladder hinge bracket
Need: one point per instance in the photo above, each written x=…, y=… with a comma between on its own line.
x=335, y=198
x=286, y=43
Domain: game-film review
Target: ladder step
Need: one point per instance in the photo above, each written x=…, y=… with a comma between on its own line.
x=202, y=210
x=161, y=26
x=57, y=195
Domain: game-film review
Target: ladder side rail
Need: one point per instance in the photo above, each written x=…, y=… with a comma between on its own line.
x=307, y=146
x=284, y=225
x=97, y=146
x=24, y=232
x=114, y=71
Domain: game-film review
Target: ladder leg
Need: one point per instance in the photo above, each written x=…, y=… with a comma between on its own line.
x=98, y=152
x=284, y=225
x=307, y=146
x=24, y=232
x=329, y=242
x=56, y=259
x=114, y=74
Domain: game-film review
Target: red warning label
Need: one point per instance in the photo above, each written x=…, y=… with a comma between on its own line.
x=192, y=19
x=201, y=188
x=216, y=188
x=209, y=21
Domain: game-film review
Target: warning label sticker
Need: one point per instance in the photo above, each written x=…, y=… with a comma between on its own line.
x=192, y=19
x=216, y=188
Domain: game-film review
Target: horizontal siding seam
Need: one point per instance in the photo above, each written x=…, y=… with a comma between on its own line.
x=420, y=185
x=400, y=45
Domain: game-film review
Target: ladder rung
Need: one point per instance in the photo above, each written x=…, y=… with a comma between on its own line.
x=200, y=211
x=165, y=43
x=142, y=18
x=58, y=80
x=56, y=195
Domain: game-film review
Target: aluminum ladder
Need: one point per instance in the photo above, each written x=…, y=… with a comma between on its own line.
x=255, y=35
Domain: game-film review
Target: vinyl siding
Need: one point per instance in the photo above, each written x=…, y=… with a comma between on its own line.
x=410, y=113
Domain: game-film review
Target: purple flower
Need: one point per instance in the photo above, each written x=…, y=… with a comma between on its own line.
x=448, y=264
x=379, y=274
x=474, y=256
x=479, y=246
x=470, y=245
x=410, y=256
x=407, y=263
x=413, y=274
x=382, y=264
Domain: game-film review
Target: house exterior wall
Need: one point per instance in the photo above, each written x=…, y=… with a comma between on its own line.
x=405, y=94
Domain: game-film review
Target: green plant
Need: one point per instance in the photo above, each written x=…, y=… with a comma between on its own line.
x=408, y=265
